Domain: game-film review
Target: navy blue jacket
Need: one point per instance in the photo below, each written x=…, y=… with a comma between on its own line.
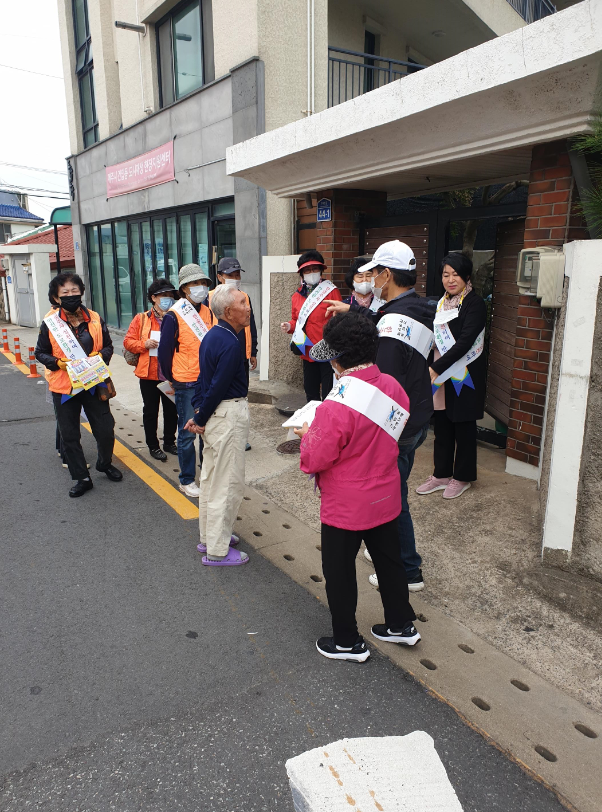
x=223, y=375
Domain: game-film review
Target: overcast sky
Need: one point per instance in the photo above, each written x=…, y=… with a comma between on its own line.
x=33, y=122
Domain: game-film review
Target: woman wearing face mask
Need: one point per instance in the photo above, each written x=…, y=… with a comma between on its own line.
x=359, y=282
x=459, y=371
x=142, y=339
x=308, y=319
x=67, y=320
x=182, y=330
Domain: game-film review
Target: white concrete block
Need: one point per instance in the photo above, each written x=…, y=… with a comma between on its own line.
x=392, y=774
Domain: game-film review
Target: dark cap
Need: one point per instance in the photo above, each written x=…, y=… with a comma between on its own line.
x=229, y=265
x=160, y=286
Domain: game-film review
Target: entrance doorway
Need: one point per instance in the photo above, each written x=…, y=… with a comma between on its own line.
x=26, y=309
x=224, y=241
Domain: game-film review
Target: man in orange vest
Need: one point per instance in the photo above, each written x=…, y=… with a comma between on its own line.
x=228, y=273
x=183, y=328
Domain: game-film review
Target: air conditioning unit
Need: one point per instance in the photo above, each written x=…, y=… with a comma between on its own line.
x=540, y=273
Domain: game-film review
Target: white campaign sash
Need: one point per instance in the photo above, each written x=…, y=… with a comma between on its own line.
x=191, y=317
x=407, y=330
x=368, y=400
x=63, y=336
x=445, y=341
x=309, y=305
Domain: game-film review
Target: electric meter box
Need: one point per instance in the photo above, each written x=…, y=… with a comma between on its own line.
x=540, y=273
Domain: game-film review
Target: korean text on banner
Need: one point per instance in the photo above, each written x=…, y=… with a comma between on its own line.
x=149, y=169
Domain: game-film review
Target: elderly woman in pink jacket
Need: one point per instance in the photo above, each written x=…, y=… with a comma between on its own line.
x=351, y=448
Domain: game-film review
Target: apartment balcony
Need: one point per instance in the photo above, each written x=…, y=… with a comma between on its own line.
x=349, y=77
x=533, y=10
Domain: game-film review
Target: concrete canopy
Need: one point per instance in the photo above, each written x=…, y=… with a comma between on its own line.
x=469, y=120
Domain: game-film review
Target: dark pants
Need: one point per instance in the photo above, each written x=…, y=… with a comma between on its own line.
x=455, y=448
x=316, y=373
x=151, y=398
x=405, y=462
x=339, y=551
x=186, y=452
x=101, y=422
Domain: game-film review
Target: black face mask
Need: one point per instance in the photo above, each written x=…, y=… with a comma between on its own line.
x=71, y=303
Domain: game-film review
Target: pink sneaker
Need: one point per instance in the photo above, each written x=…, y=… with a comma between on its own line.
x=455, y=488
x=433, y=484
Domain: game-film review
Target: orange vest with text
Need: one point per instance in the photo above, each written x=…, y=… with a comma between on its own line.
x=59, y=380
x=185, y=367
x=247, y=329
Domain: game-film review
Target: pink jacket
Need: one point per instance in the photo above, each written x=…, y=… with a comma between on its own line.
x=355, y=461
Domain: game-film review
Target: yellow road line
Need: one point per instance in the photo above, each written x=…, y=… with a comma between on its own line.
x=167, y=492
x=24, y=369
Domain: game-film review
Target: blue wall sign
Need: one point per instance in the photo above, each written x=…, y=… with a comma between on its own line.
x=324, y=210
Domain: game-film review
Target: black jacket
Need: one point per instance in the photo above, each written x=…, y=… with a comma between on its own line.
x=405, y=364
x=469, y=404
x=43, y=351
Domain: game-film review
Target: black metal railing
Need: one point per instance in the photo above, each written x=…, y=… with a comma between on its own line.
x=532, y=10
x=348, y=77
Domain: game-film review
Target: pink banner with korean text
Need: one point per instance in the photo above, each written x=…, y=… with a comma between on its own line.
x=146, y=170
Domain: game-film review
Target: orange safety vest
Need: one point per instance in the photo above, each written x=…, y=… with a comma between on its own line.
x=185, y=367
x=247, y=329
x=58, y=380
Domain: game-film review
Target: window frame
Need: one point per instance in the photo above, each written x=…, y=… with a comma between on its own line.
x=85, y=73
x=168, y=18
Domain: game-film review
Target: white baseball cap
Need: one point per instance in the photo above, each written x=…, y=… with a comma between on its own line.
x=395, y=255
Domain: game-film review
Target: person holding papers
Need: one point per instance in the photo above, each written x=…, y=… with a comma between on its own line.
x=405, y=326
x=458, y=375
x=351, y=448
x=142, y=339
x=308, y=317
x=183, y=328
x=71, y=332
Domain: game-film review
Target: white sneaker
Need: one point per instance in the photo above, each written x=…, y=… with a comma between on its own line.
x=191, y=490
x=368, y=556
x=373, y=579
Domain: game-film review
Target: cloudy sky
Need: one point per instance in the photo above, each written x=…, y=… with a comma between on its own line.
x=33, y=123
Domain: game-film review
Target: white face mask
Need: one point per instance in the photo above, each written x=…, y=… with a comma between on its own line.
x=363, y=287
x=198, y=293
x=232, y=283
x=378, y=292
x=336, y=374
x=312, y=278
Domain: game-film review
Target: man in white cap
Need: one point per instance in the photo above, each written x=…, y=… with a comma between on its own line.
x=405, y=325
x=183, y=328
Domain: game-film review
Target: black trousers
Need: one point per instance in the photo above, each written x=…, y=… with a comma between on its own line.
x=455, y=448
x=101, y=422
x=339, y=551
x=316, y=373
x=151, y=397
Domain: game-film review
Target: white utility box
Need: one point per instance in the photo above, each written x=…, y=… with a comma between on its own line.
x=540, y=273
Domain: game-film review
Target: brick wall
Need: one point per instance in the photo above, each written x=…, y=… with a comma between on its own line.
x=338, y=240
x=551, y=220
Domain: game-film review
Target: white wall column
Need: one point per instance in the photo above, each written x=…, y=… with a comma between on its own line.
x=583, y=271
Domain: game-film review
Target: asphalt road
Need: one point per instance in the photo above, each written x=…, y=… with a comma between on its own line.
x=128, y=679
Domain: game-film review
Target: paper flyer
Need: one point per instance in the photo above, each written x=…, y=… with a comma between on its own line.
x=87, y=372
x=303, y=415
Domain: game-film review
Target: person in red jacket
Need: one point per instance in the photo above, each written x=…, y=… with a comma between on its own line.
x=308, y=318
x=142, y=338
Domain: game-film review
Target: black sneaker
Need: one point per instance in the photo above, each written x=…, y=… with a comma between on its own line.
x=408, y=636
x=80, y=488
x=415, y=583
x=157, y=454
x=171, y=448
x=358, y=653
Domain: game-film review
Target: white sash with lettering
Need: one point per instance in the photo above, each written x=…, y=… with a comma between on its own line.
x=63, y=336
x=445, y=341
x=191, y=317
x=309, y=305
x=366, y=399
x=407, y=330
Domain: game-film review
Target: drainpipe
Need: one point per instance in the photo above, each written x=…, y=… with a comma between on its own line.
x=311, y=84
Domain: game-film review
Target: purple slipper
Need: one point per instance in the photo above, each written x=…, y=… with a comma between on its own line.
x=234, y=540
x=233, y=559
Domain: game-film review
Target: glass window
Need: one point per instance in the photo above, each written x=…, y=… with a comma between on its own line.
x=221, y=209
x=159, y=252
x=126, y=310
x=166, y=62
x=148, y=257
x=171, y=267
x=202, y=241
x=108, y=274
x=186, y=239
x=136, y=256
x=94, y=269
x=188, y=50
x=84, y=71
x=80, y=21
x=225, y=239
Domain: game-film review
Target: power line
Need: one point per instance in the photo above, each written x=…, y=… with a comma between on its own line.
x=34, y=168
x=24, y=189
x=37, y=73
